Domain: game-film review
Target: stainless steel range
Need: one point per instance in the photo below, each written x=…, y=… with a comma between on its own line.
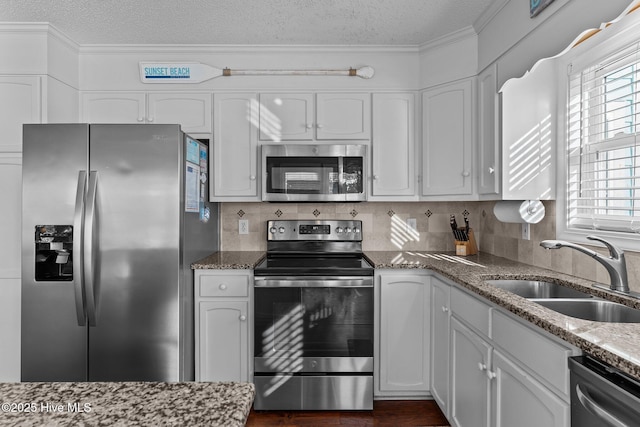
x=314, y=318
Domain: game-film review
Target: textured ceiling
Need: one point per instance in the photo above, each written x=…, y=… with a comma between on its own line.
x=271, y=22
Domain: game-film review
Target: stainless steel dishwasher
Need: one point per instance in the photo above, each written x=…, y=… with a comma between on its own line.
x=602, y=395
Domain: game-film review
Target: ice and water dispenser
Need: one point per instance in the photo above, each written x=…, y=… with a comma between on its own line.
x=54, y=253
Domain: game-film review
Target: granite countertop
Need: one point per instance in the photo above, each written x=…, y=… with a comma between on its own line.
x=230, y=260
x=616, y=343
x=125, y=404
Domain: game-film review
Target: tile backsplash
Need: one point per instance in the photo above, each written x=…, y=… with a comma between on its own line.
x=384, y=229
x=383, y=224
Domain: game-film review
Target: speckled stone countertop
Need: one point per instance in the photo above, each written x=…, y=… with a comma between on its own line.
x=616, y=343
x=230, y=260
x=125, y=404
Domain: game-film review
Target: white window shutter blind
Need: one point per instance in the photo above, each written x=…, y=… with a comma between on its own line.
x=603, y=144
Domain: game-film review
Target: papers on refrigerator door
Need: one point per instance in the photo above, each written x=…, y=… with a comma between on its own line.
x=192, y=188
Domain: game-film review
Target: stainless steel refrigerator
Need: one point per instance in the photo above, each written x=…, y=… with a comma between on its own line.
x=113, y=215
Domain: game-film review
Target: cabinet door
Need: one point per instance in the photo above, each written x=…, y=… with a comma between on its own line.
x=235, y=147
x=223, y=336
x=393, y=145
x=191, y=110
x=404, y=333
x=470, y=361
x=286, y=116
x=10, y=255
x=489, y=139
x=19, y=103
x=343, y=116
x=519, y=400
x=440, y=325
x=113, y=107
x=447, y=140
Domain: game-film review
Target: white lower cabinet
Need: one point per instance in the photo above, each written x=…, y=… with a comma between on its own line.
x=222, y=325
x=440, y=354
x=502, y=371
x=519, y=400
x=402, y=359
x=470, y=387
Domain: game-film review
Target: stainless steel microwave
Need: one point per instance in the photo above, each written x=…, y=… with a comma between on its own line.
x=314, y=173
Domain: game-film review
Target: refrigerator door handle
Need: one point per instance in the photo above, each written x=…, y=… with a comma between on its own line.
x=88, y=241
x=78, y=224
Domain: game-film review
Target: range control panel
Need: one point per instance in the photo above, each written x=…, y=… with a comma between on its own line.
x=350, y=230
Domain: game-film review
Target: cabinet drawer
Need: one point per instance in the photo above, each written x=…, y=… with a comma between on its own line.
x=473, y=311
x=539, y=353
x=224, y=286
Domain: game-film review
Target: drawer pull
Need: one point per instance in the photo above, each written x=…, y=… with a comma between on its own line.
x=491, y=375
x=482, y=366
x=223, y=287
x=445, y=309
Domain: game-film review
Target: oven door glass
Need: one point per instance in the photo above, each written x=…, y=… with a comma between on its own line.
x=303, y=175
x=313, y=322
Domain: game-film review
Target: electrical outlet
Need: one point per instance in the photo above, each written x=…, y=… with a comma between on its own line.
x=412, y=224
x=526, y=231
x=243, y=226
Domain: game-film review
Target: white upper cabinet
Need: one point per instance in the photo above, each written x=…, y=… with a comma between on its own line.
x=234, y=162
x=108, y=107
x=191, y=110
x=19, y=103
x=488, y=135
x=286, y=116
x=343, y=116
x=447, y=146
x=325, y=116
x=393, y=146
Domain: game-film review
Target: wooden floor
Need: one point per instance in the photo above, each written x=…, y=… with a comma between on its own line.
x=387, y=413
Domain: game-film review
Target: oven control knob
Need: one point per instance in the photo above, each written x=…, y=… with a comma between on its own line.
x=347, y=230
x=272, y=230
x=356, y=230
x=339, y=230
x=281, y=230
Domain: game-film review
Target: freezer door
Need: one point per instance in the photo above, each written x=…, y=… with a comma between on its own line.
x=135, y=268
x=54, y=342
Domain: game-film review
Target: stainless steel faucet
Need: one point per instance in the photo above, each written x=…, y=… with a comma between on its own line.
x=615, y=263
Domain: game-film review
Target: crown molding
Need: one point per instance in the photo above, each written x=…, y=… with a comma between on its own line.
x=489, y=14
x=453, y=37
x=226, y=49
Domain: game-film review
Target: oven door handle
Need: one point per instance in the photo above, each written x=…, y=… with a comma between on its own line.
x=314, y=282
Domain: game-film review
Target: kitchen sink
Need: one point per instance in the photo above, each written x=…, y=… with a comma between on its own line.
x=593, y=309
x=535, y=289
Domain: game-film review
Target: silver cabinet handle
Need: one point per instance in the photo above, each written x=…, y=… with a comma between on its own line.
x=78, y=224
x=88, y=240
x=596, y=409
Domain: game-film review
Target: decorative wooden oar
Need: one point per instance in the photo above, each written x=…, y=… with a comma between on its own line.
x=196, y=72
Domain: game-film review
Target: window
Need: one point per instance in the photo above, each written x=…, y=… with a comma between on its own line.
x=603, y=158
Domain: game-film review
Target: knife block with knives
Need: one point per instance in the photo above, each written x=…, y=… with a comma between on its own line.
x=464, y=240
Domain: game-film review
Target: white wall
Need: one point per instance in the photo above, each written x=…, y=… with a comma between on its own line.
x=116, y=67
x=517, y=41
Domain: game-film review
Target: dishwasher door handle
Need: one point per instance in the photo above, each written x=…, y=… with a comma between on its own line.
x=597, y=410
